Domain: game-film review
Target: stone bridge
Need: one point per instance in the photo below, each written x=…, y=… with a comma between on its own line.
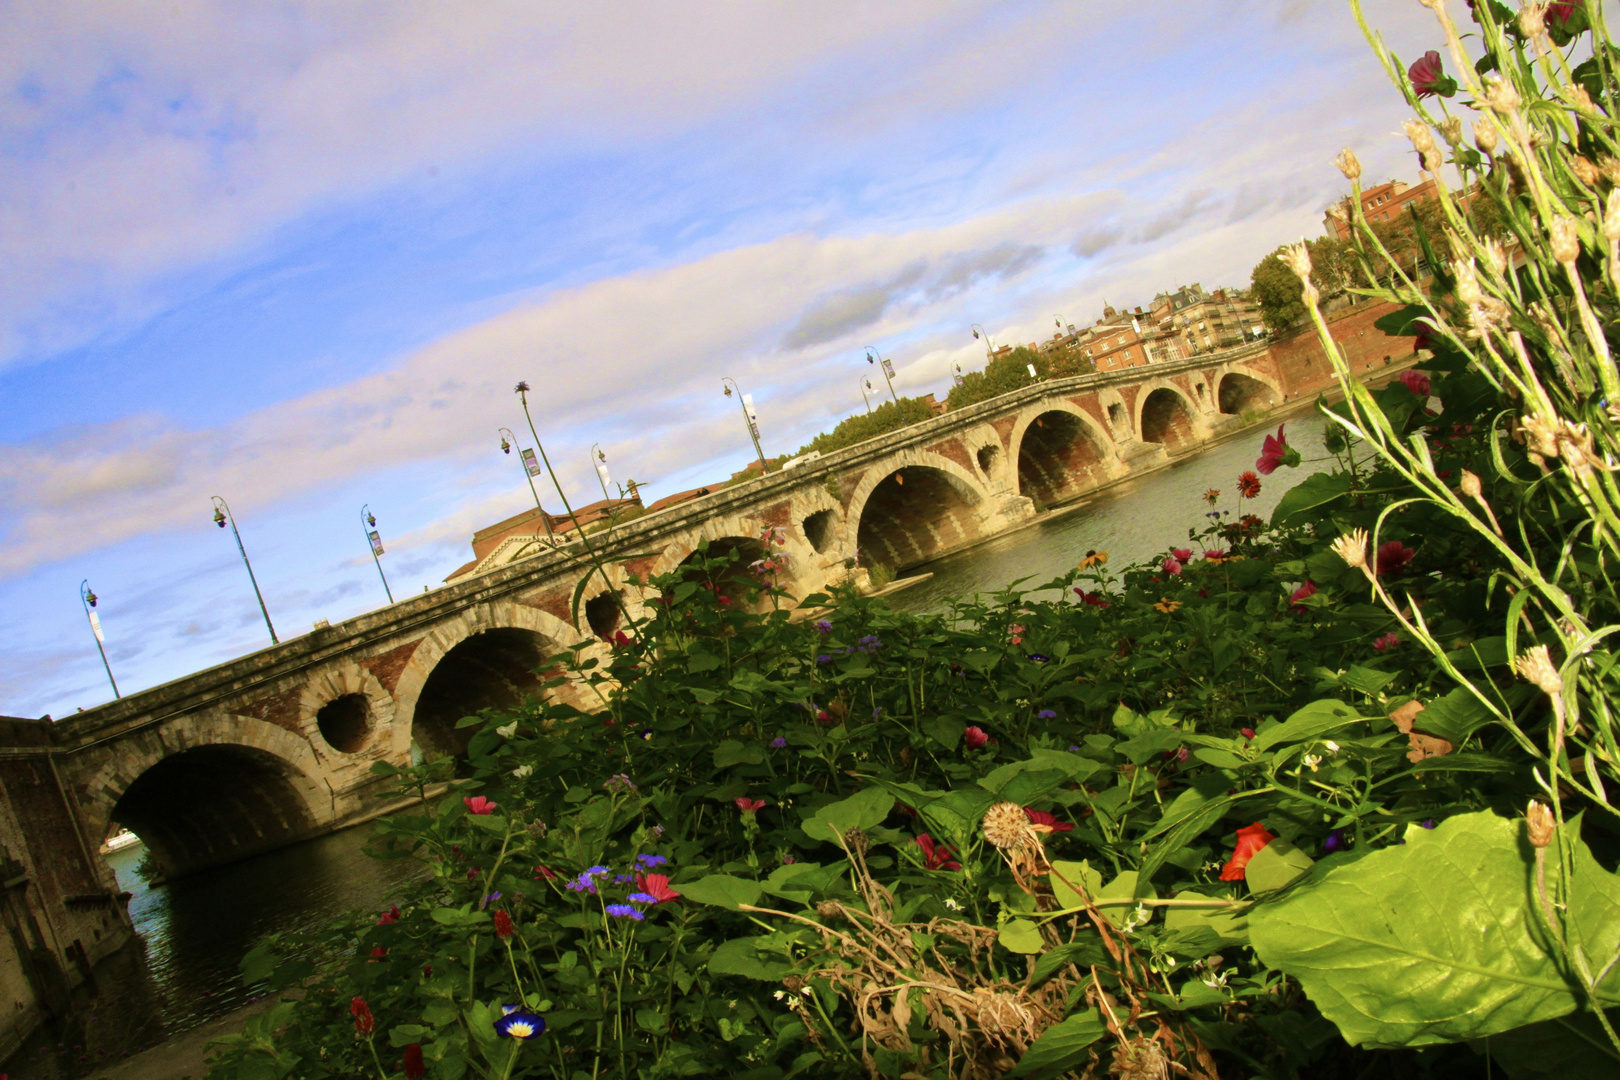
x=277, y=746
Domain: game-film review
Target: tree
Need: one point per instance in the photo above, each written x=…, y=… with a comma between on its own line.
x=1001, y=375
x=1276, y=289
x=862, y=426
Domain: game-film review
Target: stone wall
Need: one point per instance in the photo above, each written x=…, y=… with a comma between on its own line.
x=1304, y=367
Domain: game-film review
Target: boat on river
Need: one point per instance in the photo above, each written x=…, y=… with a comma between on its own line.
x=118, y=841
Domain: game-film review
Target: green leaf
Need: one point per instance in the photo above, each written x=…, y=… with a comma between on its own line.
x=1367, y=680
x=1084, y=952
x=1435, y=940
x=462, y=916
x=1275, y=865
x=1021, y=936
x=722, y=890
x=1455, y=716
x=1067, y=876
x=1224, y=923
x=944, y=730
x=863, y=810
x=750, y=958
x=1569, y=1048
x=1062, y=1047
x=731, y=752
x=1312, y=492
x=1314, y=720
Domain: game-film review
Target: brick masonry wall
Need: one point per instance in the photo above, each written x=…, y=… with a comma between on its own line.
x=1057, y=459
x=1304, y=367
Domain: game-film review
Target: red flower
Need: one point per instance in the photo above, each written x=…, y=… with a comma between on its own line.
x=503, y=926
x=1417, y=382
x=477, y=804
x=473, y=872
x=1307, y=589
x=1388, y=641
x=620, y=639
x=750, y=806
x=1043, y=820
x=1428, y=76
x=377, y=954
x=1249, y=841
x=364, y=1023
x=1247, y=733
x=1561, y=12
x=1215, y=556
x=1094, y=599
x=657, y=887
x=1393, y=557
x=427, y=971
x=415, y=1069
x=545, y=872
x=974, y=736
x=1248, y=486
x=823, y=716
x=937, y=856
x=389, y=917
x=1275, y=451
x=1182, y=554
x=1171, y=566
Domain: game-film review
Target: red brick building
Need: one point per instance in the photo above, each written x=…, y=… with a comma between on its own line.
x=1385, y=202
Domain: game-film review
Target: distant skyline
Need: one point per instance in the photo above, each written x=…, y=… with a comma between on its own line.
x=297, y=255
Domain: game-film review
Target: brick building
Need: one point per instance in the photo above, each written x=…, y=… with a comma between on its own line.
x=1386, y=202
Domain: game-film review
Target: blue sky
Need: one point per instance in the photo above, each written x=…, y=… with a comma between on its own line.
x=298, y=254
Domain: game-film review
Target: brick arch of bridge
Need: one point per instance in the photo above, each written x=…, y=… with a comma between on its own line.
x=742, y=532
x=208, y=788
x=1238, y=387
x=484, y=657
x=1173, y=421
x=1060, y=450
x=938, y=507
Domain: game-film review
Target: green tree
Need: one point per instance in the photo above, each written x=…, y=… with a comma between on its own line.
x=862, y=426
x=1001, y=375
x=1276, y=289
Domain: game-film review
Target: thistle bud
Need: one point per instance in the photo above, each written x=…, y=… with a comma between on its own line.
x=1451, y=130
x=1348, y=165
x=1579, y=99
x=1485, y=136
x=1495, y=257
x=1539, y=823
x=1423, y=142
x=1584, y=170
x=1467, y=278
x=1352, y=548
x=1470, y=485
x=1536, y=667
x=1565, y=241
x=1502, y=95
x=1531, y=21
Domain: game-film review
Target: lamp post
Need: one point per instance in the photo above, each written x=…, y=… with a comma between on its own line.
x=872, y=357
x=222, y=517
x=599, y=463
x=956, y=373
x=989, y=345
x=866, y=384
x=530, y=469
x=368, y=525
x=88, y=599
x=749, y=416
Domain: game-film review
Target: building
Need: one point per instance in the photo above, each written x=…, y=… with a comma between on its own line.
x=1190, y=321
x=525, y=533
x=1385, y=202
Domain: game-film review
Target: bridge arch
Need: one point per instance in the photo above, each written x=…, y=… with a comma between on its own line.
x=1166, y=415
x=210, y=789
x=916, y=507
x=1237, y=391
x=1061, y=452
x=484, y=658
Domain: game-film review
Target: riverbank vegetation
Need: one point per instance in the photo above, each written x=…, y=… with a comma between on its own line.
x=1327, y=795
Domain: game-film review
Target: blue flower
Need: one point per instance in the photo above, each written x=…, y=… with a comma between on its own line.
x=624, y=911
x=823, y=659
x=824, y=626
x=1046, y=714
x=518, y=1024
x=641, y=898
x=1074, y=749
x=593, y=871
x=779, y=742
x=623, y=879
x=1039, y=658
x=1334, y=842
x=877, y=712
x=650, y=861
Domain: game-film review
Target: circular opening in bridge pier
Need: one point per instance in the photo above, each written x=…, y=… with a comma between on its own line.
x=818, y=529
x=988, y=457
x=1166, y=419
x=1057, y=459
x=1240, y=393
x=903, y=525
x=215, y=804
x=602, y=614
x=345, y=722
x=495, y=669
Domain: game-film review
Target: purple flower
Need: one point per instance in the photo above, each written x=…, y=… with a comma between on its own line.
x=1428, y=823
x=1039, y=658
x=824, y=626
x=823, y=659
x=641, y=898
x=619, y=782
x=1046, y=714
x=779, y=742
x=1074, y=749
x=624, y=911
x=650, y=861
x=623, y=879
x=1334, y=842
x=877, y=712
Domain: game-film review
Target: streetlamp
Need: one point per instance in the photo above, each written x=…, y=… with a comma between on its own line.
x=866, y=385
x=989, y=345
x=88, y=599
x=369, y=527
x=222, y=517
x=531, y=469
x=872, y=357
x=599, y=462
x=956, y=373
x=749, y=416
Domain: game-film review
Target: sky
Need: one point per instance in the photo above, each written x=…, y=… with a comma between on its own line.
x=298, y=254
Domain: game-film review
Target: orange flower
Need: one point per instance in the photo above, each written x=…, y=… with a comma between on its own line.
x=1249, y=842
x=1249, y=485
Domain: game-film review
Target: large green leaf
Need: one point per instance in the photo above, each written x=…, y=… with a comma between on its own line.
x=722, y=890
x=1569, y=1048
x=1310, y=493
x=1061, y=1047
x=862, y=810
x=752, y=958
x=1313, y=721
x=1435, y=940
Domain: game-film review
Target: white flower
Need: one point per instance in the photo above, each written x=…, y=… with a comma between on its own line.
x=1311, y=761
x=1214, y=981
x=779, y=995
x=522, y=770
x=952, y=904
x=506, y=731
x=1333, y=747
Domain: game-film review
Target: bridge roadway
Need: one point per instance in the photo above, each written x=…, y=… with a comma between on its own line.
x=276, y=746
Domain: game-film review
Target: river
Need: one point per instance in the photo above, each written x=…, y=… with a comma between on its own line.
x=182, y=969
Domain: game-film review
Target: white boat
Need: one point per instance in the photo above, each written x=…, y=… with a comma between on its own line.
x=118, y=841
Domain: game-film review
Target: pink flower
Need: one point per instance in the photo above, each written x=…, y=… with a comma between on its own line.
x=1417, y=382
x=1182, y=554
x=1171, y=566
x=477, y=804
x=389, y=917
x=974, y=736
x=937, y=856
x=750, y=806
x=1307, y=589
x=1045, y=822
x=1275, y=451
x=1428, y=76
x=1393, y=557
x=1388, y=641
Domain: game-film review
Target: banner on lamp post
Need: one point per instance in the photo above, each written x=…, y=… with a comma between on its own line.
x=530, y=462
x=376, y=542
x=95, y=627
x=888, y=369
x=748, y=407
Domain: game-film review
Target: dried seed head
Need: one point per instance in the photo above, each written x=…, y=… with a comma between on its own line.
x=1579, y=99
x=1539, y=823
x=1532, y=22
x=856, y=840
x=827, y=909
x=1470, y=485
x=1485, y=136
x=1298, y=258
x=1347, y=163
x=1566, y=242
x=1541, y=435
x=1495, y=258
x=1423, y=142
x=1005, y=825
x=1611, y=217
x=1143, y=1059
x=1339, y=212
x=1451, y=130
x=1584, y=170
x=1536, y=666
x=1468, y=292
x=1502, y=95
x=1610, y=168
x=1352, y=548
x=793, y=983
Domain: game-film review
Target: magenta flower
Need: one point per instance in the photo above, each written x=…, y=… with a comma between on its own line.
x=1275, y=451
x=1417, y=382
x=749, y=806
x=1393, y=557
x=1172, y=566
x=975, y=737
x=1182, y=554
x=477, y=804
x=1387, y=642
x=1307, y=589
x=1429, y=77
x=937, y=856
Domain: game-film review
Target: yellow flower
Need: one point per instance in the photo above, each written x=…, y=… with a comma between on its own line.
x=1093, y=558
x=1167, y=605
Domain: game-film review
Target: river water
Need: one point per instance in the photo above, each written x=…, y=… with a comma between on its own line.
x=182, y=969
